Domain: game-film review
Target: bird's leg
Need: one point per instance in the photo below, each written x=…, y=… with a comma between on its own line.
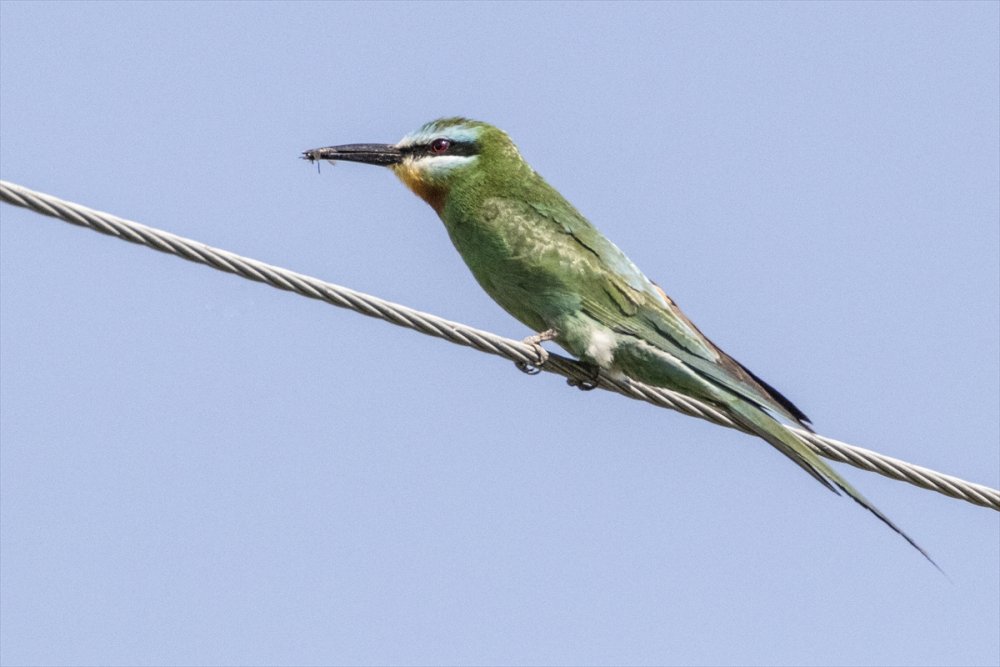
x=543, y=355
x=587, y=383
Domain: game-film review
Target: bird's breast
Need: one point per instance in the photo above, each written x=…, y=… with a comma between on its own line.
x=524, y=261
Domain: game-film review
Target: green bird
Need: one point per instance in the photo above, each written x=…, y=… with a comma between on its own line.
x=550, y=268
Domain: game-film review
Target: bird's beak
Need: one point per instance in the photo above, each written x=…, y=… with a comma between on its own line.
x=380, y=154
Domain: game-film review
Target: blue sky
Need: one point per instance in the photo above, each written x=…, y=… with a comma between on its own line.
x=197, y=469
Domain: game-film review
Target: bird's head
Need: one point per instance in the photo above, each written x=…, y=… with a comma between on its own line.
x=434, y=158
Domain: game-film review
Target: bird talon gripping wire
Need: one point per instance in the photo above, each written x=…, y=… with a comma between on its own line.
x=543, y=354
x=587, y=383
x=528, y=369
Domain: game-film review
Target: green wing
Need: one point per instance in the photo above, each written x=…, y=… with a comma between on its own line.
x=632, y=304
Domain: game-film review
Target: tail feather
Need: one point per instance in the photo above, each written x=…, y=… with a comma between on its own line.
x=789, y=444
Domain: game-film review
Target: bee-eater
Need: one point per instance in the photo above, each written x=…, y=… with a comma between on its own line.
x=550, y=268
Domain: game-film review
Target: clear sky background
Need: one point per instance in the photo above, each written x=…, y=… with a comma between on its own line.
x=197, y=469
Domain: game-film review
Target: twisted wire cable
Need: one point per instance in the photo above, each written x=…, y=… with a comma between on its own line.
x=523, y=354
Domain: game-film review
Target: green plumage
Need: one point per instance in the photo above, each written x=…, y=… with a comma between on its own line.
x=546, y=265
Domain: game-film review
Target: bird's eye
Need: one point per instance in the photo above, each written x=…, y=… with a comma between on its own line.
x=439, y=146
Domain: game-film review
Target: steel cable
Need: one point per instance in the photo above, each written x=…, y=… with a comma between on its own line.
x=525, y=355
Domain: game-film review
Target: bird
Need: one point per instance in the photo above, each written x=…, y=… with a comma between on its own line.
x=550, y=268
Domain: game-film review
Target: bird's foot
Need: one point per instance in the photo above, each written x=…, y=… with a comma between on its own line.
x=587, y=383
x=543, y=354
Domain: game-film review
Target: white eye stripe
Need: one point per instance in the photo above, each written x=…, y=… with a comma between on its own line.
x=443, y=162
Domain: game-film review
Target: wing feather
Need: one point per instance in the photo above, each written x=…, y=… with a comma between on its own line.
x=634, y=305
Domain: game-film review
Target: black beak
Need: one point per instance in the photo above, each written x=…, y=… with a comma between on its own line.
x=380, y=154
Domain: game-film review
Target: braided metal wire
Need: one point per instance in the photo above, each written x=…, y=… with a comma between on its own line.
x=525, y=355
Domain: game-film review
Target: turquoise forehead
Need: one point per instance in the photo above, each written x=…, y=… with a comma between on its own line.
x=456, y=129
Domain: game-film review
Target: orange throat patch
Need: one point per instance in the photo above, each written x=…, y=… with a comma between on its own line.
x=414, y=179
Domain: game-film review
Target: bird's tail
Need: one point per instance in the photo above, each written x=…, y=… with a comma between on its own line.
x=774, y=432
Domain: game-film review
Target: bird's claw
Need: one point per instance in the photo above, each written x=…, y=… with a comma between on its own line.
x=528, y=369
x=586, y=383
x=543, y=355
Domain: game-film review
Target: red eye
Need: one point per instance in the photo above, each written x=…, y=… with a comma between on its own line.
x=439, y=146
